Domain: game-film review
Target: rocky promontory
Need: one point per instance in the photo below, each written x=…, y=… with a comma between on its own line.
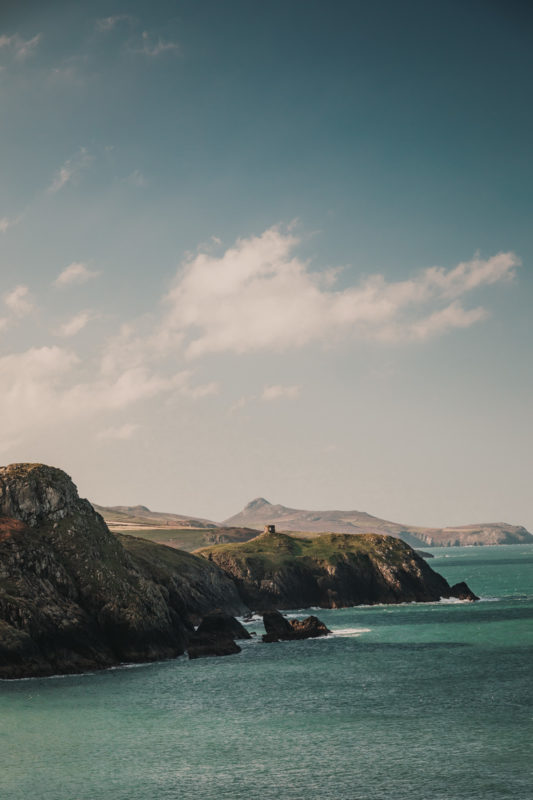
x=73, y=598
x=76, y=597
x=276, y=571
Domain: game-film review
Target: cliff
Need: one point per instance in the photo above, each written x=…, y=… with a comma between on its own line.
x=73, y=598
x=275, y=571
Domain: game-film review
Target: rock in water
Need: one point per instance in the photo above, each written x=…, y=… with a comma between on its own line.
x=202, y=645
x=224, y=624
x=215, y=636
x=309, y=628
x=462, y=592
x=276, y=626
x=205, y=645
x=279, y=628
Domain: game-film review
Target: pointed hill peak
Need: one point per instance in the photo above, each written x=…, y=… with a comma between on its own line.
x=258, y=503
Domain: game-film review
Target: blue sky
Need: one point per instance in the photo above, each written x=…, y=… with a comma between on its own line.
x=278, y=249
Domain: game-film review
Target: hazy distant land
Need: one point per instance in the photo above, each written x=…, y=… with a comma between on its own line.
x=190, y=533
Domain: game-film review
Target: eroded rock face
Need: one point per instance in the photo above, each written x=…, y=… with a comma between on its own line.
x=279, y=628
x=35, y=492
x=72, y=598
x=218, y=622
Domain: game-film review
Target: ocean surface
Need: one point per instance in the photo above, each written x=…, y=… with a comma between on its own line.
x=412, y=702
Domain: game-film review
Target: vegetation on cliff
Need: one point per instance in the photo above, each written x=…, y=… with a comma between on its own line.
x=333, y=570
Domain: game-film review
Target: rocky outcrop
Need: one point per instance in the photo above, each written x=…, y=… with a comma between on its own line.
x=462, y=592
x=184, y=579
x=276, y=571
x=204, y=645
x=278, y=628
x=33, y=493
x=215, y=636
x=72, y=598
x=223, y=624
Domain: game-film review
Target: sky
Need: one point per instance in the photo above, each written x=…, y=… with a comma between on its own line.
x=278, y=249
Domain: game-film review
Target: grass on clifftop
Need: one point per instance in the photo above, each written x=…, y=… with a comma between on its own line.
x=182, y=538
x=170, y=558
x=279, y=547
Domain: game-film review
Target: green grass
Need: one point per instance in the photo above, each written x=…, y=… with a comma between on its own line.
x=185, y=538
x=278, y=548
x=160, y=557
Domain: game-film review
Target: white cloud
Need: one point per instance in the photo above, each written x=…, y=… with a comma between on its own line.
x=18, y=301
x=201, y=390
x=241, y=403
x=152, y=47
x=31, y=383
x=276, y=392
x=453, y=316
x=258, y=295
x=21, y=48
x=75, y=274
x=76, y=323
x=136, y=178
x=6, y=223
x=120, y=433
x=43, y=387
x=70, y=170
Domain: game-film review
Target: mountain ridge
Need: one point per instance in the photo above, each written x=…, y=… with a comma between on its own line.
x=260, y=512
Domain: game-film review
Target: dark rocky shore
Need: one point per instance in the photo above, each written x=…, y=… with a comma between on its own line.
x=75, y=597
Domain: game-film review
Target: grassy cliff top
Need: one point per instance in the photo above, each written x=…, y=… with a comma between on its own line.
x=279, y=547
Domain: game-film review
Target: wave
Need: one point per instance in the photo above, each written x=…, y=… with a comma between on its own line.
x=349, y=631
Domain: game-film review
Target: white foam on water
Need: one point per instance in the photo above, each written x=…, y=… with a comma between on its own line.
x=449, y=601
x=350, y=631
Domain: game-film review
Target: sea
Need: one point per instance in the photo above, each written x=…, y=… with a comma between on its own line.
x=427, y=701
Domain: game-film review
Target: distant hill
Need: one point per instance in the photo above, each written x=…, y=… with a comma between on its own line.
x=198, y=531
x=174, y=530
x=260, y=512
x=140, y=516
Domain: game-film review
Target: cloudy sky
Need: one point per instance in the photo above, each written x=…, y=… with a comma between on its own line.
x=273, y=248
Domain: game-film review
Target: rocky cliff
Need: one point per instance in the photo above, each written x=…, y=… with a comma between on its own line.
x=275, y=571
x=73, y=598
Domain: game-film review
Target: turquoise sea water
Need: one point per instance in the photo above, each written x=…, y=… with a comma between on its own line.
x=421, y=701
